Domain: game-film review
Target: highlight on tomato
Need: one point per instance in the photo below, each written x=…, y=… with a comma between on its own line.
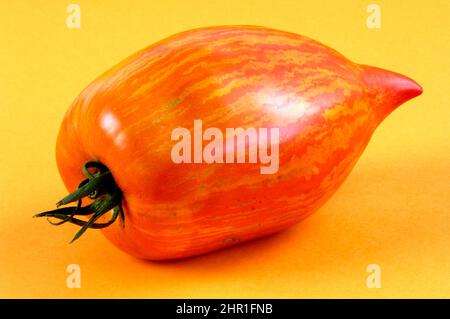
x=146, y=157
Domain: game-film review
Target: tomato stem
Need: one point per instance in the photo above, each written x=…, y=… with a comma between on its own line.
x=99, y=186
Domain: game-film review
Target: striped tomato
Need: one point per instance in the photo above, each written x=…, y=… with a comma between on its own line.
x=116, y=143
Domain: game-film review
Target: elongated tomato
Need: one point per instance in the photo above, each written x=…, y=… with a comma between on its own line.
x=143, y=133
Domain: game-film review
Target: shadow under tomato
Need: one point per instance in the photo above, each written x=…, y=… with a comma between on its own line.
x=243, y=257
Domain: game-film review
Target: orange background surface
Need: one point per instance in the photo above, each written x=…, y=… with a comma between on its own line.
x=393, y=210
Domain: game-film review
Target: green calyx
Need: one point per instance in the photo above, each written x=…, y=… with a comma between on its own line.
x=98, y=186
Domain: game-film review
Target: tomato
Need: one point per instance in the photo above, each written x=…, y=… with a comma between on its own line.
x=324, y=107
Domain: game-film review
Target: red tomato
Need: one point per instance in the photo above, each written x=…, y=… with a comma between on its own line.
x=323, y=106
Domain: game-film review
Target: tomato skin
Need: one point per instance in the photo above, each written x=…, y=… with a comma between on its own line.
x=326, y=107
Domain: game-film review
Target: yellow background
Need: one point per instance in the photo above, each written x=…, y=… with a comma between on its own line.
x=393, y=210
